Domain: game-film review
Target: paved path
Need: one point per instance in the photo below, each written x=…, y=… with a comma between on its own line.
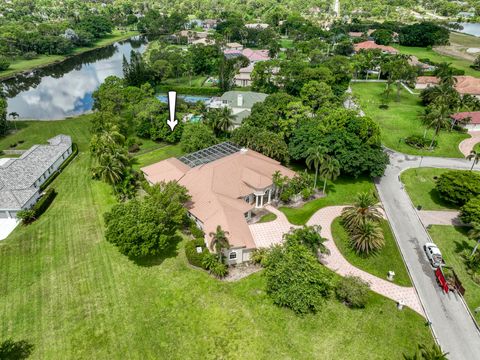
x=467, y=145
x=267, y=234
x=7, y=226
x=430, y=217
x=451, y=322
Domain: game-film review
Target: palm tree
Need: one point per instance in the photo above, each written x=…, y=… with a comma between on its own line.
x=445, y=72
x=365, y=208
x=219, y=241
x=224, y=120
x=367, y=237
x=278, y=181
x=329, y=170
x=474, y=157
x=474, y=234
x=437, y=118
x=316, y=156
x=425, y=353
x=111, y=168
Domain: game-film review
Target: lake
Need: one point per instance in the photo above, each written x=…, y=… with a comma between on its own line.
x=65, y=89
x=471, y=28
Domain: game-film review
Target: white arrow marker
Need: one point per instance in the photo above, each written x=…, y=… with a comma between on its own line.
x=172, y=102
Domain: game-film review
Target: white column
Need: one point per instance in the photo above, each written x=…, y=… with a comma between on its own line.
x=256, y=201
x=261, y=200
x=269, y=195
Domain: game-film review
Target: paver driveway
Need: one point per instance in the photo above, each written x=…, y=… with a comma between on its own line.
x=267, y=234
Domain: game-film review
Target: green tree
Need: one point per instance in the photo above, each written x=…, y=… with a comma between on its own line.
x=367, y=237
x=308, y=236
x=4, y=63
x=437, y=117
x=470, y=212
x=220, y=120
x=458, y=186
x=136, y=72
x=4, y=127
x=196, y=136
x=219, y=241
x=382, y=36
x=317, y=95
x=161, y=70
x=316, y=156
x=474, y=234
x=329, y=170
x=15, y=350
x=365, y=208
x=474, y=157
x=148, y=226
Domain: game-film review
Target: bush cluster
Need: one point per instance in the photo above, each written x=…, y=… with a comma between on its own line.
x=470, y=212
x=353, y=291
x=419, y=142
x=39, y=208
x=196, y=258
x=190, y=90
x=458, y=187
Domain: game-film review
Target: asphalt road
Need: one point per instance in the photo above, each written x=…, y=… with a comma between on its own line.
x=451, y=322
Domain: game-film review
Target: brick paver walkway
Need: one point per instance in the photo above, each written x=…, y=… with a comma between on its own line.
x=467, y=145
x=431, y=217
x=270, y=233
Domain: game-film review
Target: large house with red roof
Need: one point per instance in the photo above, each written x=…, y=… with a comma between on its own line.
x=227, y=185
x=468, y=119
x=244, y=76
x=371, y=45
x=464, y=85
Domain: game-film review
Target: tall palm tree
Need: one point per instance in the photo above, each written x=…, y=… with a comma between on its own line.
x=437, y=118
x=474, y=234
x=329, y=170
x=225, y=120
x=444, y=71
x=316, y=156
x=474, y=157
x=367, y=237
x=278, y=181
x=365, y=208
x=111, y=168
x=219, y=241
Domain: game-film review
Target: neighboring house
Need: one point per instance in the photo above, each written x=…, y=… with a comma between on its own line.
x=355, y=34
x=194, y=23
x=233, y=46
x=259, y=26
x=244, y=76
x=194, y=37
x=371, y=45
x=21, y=178
x=240, y=102
x=464, y=85
x=470, y=120
x=227, y=184
x=210, y=24
x=417, y=63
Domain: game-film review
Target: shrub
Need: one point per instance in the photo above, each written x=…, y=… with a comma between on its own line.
x=307, y=193
x=470, y=212
x=353, y=291
x=207, y=91
x=134, y=148
x=42, y=205
x=15, y=350
x=30, y=55
x=27, y=216
x=13, y=145
x=196, y=231
x=259, y=256
x=4, y=63
x=419, y=142
x=195, y=258
x=209, y=261
x=458, y=186
x=219, y=270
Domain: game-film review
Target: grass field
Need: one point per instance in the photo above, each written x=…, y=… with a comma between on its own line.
x=379, y=264
x=452, y=241
x=340, y=192
x=43, y=60
x=464, y=39
x=156, y=155
x=420, y=186
x=73, y=295
x=403, y=119
x=195, y=81
x=421, y=52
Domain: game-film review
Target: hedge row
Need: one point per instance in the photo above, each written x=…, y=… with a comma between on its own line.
x=42, y=205
x=190, y=90
x=60, y=169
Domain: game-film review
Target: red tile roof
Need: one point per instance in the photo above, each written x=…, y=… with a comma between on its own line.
x=465, y=84
x=370, y=45
x=473, y=115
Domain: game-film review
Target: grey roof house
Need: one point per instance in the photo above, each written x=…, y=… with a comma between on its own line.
x=240, y=102
x=21, y=178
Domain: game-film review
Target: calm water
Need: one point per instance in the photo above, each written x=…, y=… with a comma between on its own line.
x=187, y=98
x=471, y=28
x=65, y=89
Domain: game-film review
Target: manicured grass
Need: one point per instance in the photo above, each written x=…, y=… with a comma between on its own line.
x=420, y=186
x=157, y=155
x=341, y=192
x=43, y=60
x=378, y=264
x=403, y=119
x=195, y=81
x=464, y=39
x=477, y=148
x=267, y=218
x=452, y=241
x=436, y=57
x=73, y=295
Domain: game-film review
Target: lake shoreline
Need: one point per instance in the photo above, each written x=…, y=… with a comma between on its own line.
x=12, y=73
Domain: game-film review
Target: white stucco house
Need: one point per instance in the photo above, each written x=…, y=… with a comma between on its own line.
x=21, y=178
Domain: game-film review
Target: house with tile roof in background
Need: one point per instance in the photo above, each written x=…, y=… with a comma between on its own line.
x=239, y=102
x=21, y=178
x=464, y=84
x=371, y=45
x=470, y=120
x=228, y=185
x=244, y=76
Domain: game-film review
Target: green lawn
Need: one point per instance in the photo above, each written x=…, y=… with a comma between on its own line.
x=403, y=119
x=452, y=240
x=341, y=192
x=464, y=39
x=156, y=155
x=420, y=186
x=420, y=53
x=379, y=264
x=73, y=295
x=43, y=60
x=194, y=81
x=267, y=218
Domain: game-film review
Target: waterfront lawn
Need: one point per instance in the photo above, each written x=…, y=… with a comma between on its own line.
x=403, y=119
x=464, y=39
x=194, y=81
x=43, y=60
x=452, y=241
x=378, y=264
x=421, y=52
x=156, y=155
x=420, y=186
x=341, y=192
x=69, y=292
